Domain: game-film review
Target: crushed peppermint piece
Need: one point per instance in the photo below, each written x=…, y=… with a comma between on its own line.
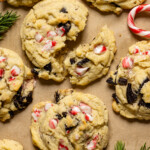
x=127, y=63
x=147, y=52
x=2, y=59
x=99, y=49
x=48, y=106
x=51, y=34
x=36, y=114
x=53, y=123
x=11, y=79
x=62, y=147
x=15, y=71
x=80, y=70
x=75, y=110
x=137, y=50
x=49, y=45
x=61, y=31
x=88, y=117
x=92, y=144
x=38, y=37
x=86, y=109
x=1, y=73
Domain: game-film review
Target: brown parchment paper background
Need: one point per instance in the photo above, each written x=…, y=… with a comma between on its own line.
x=133, y=133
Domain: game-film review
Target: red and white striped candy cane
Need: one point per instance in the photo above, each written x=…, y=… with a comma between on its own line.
x=131, y=16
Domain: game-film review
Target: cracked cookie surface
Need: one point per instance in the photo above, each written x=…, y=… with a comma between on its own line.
x=75, y=121
x=115, y=6
x=91, y=61
x=132, y=83
x=16, y=84
x=7, y=144
x=44, y=32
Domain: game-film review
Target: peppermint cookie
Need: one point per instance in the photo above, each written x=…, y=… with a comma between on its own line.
x=45, y=31
x=91, y=61
x=76, y=121
x=115, y=6
x=18, y=3
x=132, y=83
x=7, y=144
x=16, y=84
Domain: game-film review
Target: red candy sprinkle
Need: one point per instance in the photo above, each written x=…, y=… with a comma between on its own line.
x=53, y=123
x=38, y=37
x=62, y=147
x=127, y=63
x=99, y=49
x=1, y=73
x=75, y=110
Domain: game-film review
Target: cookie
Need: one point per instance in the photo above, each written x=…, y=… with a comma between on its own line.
x=16, y=84
x=45, y=31
x=91, y=61
x=7, y=144
x=75, y=121
x=18, y=3
x=115, y=6
x=132, y=83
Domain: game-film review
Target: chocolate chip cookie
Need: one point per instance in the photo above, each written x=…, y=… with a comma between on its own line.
x=16, y=84
x=44, y=33
x=91, y=61
x=75, y=121
x=132, y=83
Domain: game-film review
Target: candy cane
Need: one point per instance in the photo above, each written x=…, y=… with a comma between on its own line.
x=131, y=24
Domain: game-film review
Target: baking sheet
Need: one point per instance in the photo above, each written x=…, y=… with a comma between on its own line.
x=133, y=133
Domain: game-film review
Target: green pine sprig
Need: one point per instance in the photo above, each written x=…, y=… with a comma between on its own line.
x=121, y=146
x=6, y=21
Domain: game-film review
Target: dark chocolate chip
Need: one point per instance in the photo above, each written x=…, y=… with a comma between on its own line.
x=131, y=96
x=55, y=73
x=29, y=98
x=70, y=128
x=142, y=103
x=63, y=10
x=64, y=114
x=59, y=116
x=57, y=97
x=114, y=4
x=122, y=81
x=34, y=71
x=115, y=97
x=83, y=61
x=48, y=67
x=145, y=81
x=116, y=73
x=11, y=113
x=66, y=26
x=72, y=60
x=110, y=81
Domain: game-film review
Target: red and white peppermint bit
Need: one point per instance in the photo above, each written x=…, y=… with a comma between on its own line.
x=49, y=45
x=48, y=106
x=75, y=110
x=80, y=70
x=11, y=79
x=1, y=73
x=53, y=123
x=127, y=63
x=60, y=31
x=88, y=117
x=86, y=109
x=36, y=114
x=92, y=144
x=137, y=50
x=131, y=24
x=62, y=147
x=38, y=37
x=2, y=59
x=99, y=49
x=15, y=71
x=51, y=34
x=147, y=52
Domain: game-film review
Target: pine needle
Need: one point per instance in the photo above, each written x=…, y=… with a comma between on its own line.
x=144, y=147
x=120, y=146
x=6, y=21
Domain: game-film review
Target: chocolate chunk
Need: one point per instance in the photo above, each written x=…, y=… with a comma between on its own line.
x=122, y=81
x=116, y=73
x=59, y=116
x=142, y=103
x=114, y=4
x=83, y=61
x=110, y=81
x=11, y=113
x=115, y=97
x=63, y=10
x=48, y=67
x=145, y=81
x=64, y=114
x=34, y=71
x=29, y=98
x=131, y=96
x=66, y=26
x=70, y=128
x=57, y=97
x=72, y=60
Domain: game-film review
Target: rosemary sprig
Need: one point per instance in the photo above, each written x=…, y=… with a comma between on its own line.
x=121, y=146
x=6, y=21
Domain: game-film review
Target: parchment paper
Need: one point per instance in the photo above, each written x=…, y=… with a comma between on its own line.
x=133, y=133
